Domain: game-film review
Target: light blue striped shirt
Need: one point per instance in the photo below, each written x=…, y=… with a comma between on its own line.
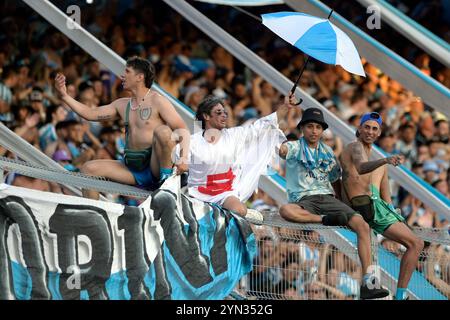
x=301, y=181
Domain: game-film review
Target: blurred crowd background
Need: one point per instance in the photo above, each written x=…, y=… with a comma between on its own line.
x=190, y=65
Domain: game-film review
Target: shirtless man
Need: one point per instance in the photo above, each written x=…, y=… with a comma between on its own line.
x=149, y=120
x=367, y=187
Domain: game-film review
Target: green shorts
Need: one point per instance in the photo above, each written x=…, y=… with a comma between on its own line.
x=384, y=215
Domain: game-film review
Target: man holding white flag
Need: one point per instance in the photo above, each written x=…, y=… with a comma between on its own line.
x=225, y=164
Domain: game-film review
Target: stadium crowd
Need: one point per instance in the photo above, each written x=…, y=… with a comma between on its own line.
x=189, y=66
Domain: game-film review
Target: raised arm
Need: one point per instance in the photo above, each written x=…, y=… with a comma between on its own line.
x=431, y=275
x=92, y=114
x=289, y=103
x=324, y=250
x=363, y=165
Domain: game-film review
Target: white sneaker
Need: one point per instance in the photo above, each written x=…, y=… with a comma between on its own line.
x=254, y=215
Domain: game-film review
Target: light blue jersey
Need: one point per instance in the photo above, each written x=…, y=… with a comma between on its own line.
x=310, y=171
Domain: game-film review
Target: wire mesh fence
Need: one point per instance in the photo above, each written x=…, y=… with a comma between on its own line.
x=313, y=262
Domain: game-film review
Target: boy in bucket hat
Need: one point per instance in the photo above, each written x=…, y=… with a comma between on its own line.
x=312, y=179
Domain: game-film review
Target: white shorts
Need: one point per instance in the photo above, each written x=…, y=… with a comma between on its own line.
x=218, y=199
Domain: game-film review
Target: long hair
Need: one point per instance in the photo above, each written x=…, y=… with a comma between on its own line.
x=205, y=107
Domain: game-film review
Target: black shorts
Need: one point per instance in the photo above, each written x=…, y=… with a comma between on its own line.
x=325, y=204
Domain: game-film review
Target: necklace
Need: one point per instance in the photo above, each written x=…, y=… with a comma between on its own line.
x=139, y=104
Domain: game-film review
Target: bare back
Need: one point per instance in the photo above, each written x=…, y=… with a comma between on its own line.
x=356, y=184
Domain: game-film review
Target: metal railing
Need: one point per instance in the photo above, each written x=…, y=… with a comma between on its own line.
x=415, y=32
x=305, y=261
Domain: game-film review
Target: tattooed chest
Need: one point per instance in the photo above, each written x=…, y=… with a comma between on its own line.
x=143, y=117
x=144, y=113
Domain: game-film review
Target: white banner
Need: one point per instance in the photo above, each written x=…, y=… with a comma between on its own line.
x=55, y=246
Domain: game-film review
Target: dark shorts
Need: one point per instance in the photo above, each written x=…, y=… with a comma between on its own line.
x=325, y=204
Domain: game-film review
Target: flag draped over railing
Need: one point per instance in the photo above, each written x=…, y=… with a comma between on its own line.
x=55, y=246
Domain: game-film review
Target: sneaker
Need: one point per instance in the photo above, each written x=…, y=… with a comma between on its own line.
x=255, y=216
x=375, y=293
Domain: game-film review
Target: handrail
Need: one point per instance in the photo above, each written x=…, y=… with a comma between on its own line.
x=420, y=36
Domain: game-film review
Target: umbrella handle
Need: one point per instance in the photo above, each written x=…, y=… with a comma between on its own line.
x=331, y=12
x=303, y=69
x=299, y=102
x=304, y=65
x=299, y=76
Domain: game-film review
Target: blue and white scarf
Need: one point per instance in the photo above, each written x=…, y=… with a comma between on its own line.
x=321, y=159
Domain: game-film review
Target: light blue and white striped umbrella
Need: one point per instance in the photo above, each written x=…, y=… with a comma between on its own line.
x=317, y=37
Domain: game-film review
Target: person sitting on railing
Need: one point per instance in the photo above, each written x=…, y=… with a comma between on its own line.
x=225, y=163
x=311, y=175
x=149, y=121
x=366, y=185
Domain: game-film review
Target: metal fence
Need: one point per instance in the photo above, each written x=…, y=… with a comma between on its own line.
x=311, y=261
x=314, y=262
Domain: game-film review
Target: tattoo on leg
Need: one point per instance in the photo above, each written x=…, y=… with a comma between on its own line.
x=145, y=113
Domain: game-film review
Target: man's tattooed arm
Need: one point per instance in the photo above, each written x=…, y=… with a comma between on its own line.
x=104, y=117
x=361, y=162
